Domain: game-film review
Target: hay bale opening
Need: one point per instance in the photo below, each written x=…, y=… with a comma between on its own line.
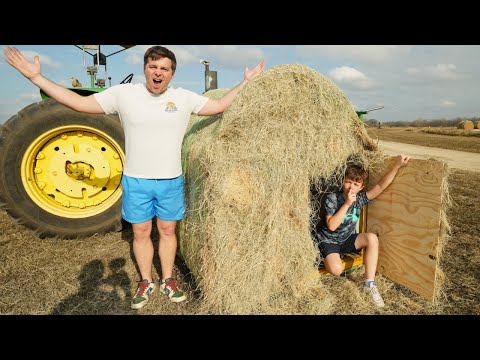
x=246, y=235
x=465, y=125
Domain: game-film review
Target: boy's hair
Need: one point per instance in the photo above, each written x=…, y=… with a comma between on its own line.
x=356, y=172
x=159, y=52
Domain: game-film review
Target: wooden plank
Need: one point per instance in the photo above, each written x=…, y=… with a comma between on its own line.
x=406, y=218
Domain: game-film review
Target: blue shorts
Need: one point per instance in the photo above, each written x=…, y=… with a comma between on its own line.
x=142, y=199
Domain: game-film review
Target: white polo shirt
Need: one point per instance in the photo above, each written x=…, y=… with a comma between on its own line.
x=154, y=126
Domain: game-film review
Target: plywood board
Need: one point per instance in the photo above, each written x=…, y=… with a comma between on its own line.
x=406, y=219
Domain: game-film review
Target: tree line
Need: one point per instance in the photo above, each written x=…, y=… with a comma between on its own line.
x=421, y=123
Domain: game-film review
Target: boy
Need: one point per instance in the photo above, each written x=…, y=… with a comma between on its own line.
x=337, y=235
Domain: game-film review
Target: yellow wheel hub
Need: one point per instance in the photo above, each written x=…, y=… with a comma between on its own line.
x=73, y=171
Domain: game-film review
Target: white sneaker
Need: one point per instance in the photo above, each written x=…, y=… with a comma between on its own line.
x=143, y=293
x=373, y=291
x=170, y=288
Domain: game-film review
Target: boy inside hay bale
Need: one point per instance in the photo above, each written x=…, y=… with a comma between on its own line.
x=337, y=234
x=246, y=236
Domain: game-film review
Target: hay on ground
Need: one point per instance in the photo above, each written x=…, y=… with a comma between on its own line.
x=444, y=236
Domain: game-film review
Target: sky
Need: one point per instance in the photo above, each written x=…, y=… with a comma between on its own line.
x=411, y=82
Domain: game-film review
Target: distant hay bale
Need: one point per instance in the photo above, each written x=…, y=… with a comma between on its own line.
x=465, y=125
x=246, y=235
x=477, y=124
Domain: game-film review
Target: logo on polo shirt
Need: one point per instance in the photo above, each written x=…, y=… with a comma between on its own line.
x=171, y=107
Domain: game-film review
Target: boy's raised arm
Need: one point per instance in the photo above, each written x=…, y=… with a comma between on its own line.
x=387, y=179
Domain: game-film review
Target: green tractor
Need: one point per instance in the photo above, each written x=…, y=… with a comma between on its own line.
x=360, y=113
x=61, y=169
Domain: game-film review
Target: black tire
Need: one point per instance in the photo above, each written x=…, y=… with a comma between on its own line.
x=26, y=136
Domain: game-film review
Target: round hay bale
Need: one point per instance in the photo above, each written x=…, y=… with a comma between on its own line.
x=246, y=235
x=477, y=124
x=465, y=125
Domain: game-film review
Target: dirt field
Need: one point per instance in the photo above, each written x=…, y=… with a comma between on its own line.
x=420, y=136
x=97, y=275
x=454, y=159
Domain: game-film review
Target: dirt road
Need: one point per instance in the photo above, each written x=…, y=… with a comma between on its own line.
x=455, y=159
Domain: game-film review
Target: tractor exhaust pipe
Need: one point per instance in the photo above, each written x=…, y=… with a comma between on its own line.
x=210, y=77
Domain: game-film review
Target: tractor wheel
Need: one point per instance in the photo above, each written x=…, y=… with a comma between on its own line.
x=61, y=170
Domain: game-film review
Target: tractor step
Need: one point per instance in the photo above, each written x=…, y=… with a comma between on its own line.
x=349, y=262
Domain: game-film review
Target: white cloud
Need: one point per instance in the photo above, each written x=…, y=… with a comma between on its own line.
x=184, y=55
x=229, y=56
x=234, y=56
x=374, y=54
x=134, y=58
x=11, y=106
x=351, y=77
x=448, y=103
x=44, y=59
x=31, y=95
x=413, y=71
x=436, y=72
x=24, y=98
x=185, y=84
x=65, y=83
x=443, y=71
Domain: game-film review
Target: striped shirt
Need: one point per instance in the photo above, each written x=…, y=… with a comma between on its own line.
x=333, y=202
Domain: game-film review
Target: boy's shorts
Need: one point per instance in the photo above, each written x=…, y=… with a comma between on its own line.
x=142, y=199
x=348, y=246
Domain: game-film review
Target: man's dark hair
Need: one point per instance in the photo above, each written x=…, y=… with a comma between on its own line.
x=356, y=173
x=159, y=52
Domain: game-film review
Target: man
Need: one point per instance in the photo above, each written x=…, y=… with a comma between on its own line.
x=154, y=117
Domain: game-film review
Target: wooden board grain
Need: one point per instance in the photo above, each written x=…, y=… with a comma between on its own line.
x=406, y=219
